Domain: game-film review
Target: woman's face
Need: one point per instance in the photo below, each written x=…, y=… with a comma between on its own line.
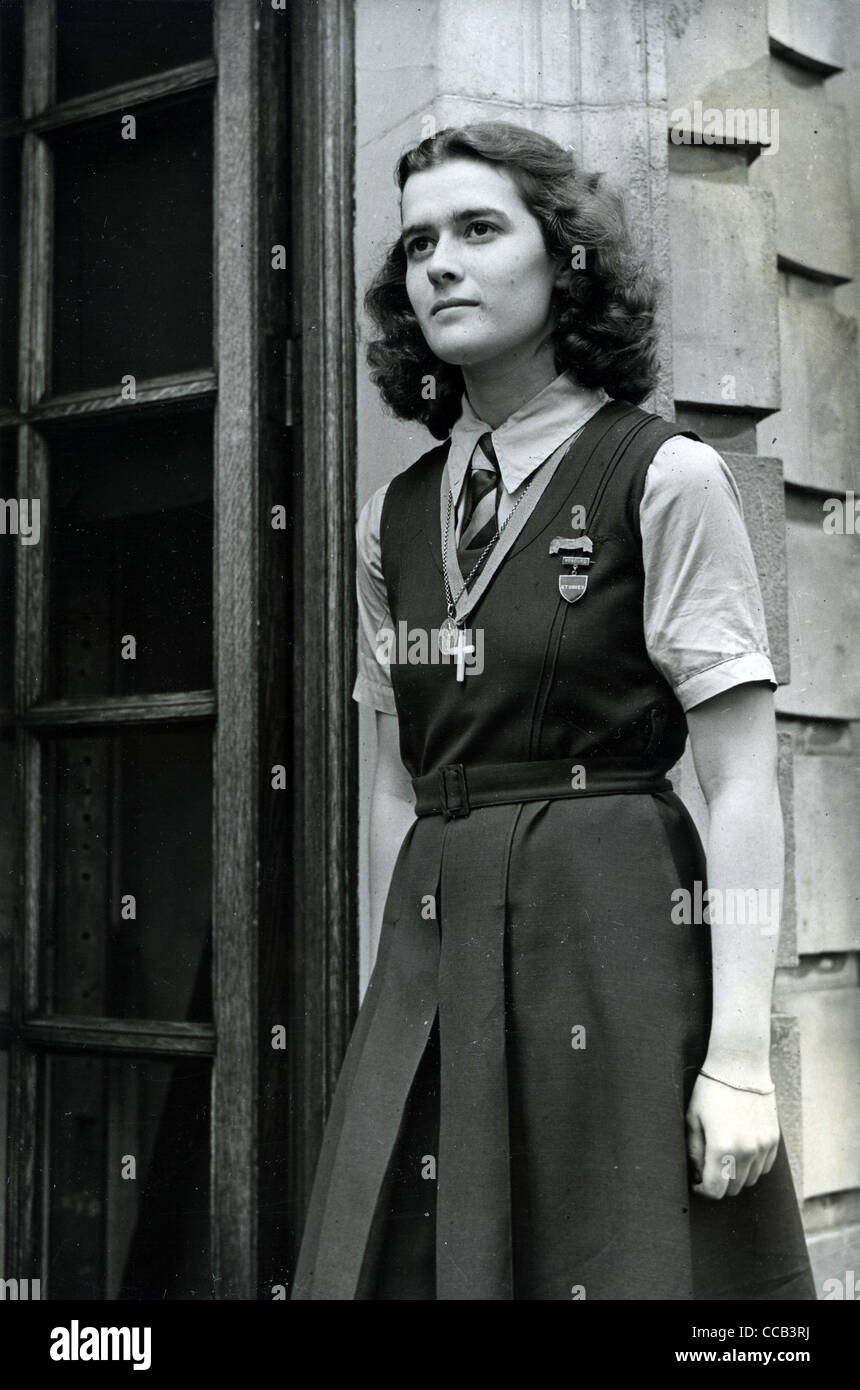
x=472, y=244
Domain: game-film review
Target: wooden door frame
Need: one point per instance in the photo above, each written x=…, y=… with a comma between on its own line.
x=283, y=873
x=284, y=889
x=326, y=726
x=235, y=903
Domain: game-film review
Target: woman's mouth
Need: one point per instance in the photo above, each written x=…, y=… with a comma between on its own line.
x=442, y=305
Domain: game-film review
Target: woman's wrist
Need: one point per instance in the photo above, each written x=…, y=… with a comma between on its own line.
x=745, y=1065
x=742, y=1088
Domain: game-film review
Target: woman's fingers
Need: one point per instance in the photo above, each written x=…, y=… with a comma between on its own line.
x=739, y=1170
x=732, y=1141
x=716, y=1173
x=771, y=1157
x=726, y=1173
x=756, y=1169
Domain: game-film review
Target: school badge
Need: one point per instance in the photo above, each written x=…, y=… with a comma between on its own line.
x=575, y=553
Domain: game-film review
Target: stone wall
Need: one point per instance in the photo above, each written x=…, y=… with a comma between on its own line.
x=765, y=368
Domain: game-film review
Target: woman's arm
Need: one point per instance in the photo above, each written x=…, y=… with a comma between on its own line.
x=733, y=1133
x=392, y=811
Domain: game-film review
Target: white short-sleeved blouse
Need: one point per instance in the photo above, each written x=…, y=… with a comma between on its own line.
x=703, y=613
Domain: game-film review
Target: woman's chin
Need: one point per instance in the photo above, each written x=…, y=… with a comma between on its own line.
x=464, y=353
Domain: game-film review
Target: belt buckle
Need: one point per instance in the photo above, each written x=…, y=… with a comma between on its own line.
x=453, y=791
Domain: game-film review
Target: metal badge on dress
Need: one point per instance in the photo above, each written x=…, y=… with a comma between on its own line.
x=572, y=584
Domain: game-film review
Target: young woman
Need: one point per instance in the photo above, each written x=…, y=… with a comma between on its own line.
x=558, y=1085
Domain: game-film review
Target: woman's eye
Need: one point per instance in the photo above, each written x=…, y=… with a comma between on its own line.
x=481, y=228
x=417, y=246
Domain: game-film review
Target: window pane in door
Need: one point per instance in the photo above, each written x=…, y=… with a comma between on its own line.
x=127, y=1190
x=103, y=42
x=126, y=874
x=11, y=27
x=131, y=557
x=10, y=208
x=132, y=270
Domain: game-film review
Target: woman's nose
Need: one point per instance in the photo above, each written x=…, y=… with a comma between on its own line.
x=444, y=264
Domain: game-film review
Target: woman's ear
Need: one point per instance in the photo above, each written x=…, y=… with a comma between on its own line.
x=561, y=279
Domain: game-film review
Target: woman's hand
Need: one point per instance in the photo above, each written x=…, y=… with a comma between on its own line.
x=732, y=1138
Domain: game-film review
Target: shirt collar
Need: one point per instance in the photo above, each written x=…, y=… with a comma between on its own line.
x=528, y=436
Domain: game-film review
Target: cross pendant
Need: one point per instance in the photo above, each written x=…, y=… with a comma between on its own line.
x=461, y=651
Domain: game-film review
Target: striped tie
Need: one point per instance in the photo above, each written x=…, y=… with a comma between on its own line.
x=480, y=521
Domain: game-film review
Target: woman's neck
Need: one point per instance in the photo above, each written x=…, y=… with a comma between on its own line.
x=496, y=390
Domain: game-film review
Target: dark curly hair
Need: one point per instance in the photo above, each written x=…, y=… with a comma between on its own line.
x=604, y=331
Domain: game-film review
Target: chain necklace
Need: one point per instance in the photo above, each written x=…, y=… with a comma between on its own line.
x=450, y=629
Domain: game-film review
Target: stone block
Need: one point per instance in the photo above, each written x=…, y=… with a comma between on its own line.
x=710, y=163
x=721, y=61
x=816, y=431
x=824, y=619
x=393, y=79
x=526, y=52
x=829, y=1024
x=724, y=296
x=809, y=176
x=813, y=35
x=827, y=866
x=615, y=52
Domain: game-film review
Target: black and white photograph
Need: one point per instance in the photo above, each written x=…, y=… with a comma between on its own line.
x=429, y=666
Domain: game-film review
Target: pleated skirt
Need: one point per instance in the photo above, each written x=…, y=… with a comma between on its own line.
x=509, y=1122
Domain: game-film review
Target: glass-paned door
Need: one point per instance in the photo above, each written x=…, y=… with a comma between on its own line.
x=133, y=331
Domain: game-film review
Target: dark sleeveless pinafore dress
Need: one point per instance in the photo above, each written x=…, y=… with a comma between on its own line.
x=509, y=1122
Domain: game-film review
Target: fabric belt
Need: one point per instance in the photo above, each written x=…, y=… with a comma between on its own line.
x=454, y=790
